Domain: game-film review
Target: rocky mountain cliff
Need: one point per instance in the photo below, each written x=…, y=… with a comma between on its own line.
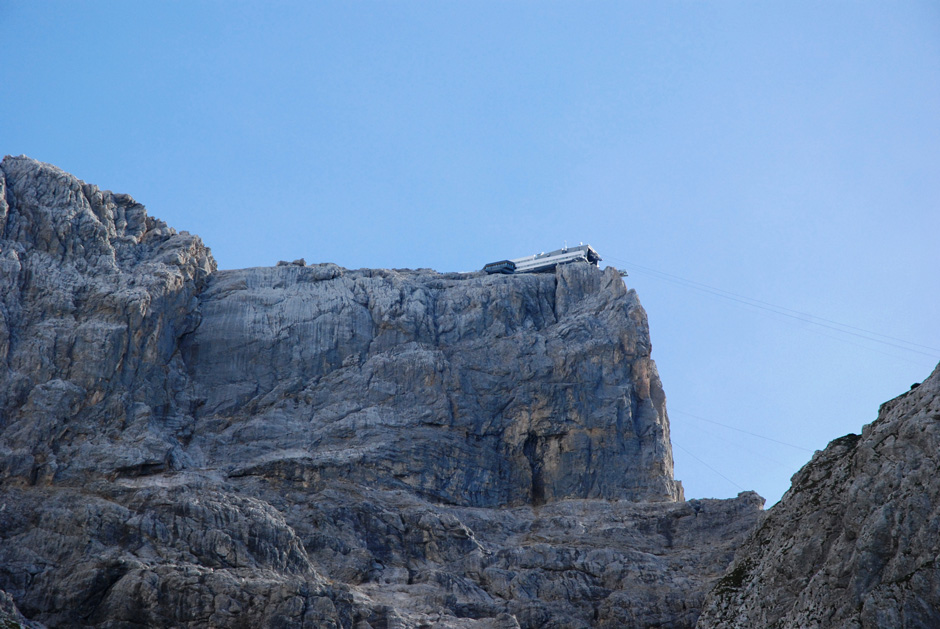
x=855, y=542
x=524, y=389
x=466, y=389
x=312, y=446
x=320, y=447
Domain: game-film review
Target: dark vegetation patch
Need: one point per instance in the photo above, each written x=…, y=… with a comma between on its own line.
x=734, y=580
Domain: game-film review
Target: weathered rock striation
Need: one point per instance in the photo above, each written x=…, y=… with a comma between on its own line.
x=320, y=447
x=855, y=542
x=468, y=389
x=94, y=296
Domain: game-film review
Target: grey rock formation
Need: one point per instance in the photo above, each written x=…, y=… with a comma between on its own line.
x=478, y=389
x=191, y=550
x=313, y=446
x=10, y=616
x=94, y=295
x=855, y=542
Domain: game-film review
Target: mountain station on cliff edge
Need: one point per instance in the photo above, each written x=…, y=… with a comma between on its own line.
x=545, y=261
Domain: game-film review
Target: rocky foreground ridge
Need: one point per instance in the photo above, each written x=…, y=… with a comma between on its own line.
x=312, y=446
x=855, y=542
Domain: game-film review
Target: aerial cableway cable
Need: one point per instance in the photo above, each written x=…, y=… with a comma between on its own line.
x=746, y=432
x=804, y=317
x=716, y=423
x=735, y=445
x=798, y=315
x=707, y=465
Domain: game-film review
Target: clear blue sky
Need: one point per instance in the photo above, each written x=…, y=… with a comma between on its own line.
x=784, y=151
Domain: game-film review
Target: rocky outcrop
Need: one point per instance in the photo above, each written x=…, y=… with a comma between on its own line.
x=523, y=389
x=469, y=389
x=314, y=446
x=94, y=297
x=190, y=550
x=855, y=541
x=10, y=616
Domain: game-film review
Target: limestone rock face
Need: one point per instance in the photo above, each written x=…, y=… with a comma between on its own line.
x=94, y=296
x=310, y=446
x=855, y=542
x=469, y=389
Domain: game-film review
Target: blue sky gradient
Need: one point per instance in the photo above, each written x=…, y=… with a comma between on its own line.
x=786, y=152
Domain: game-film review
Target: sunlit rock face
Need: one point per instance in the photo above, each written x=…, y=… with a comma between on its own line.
x=855, y=541
x=315, y=446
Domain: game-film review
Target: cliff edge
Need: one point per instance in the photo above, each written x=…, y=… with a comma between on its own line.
x=469, y=389
x=323, y=447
